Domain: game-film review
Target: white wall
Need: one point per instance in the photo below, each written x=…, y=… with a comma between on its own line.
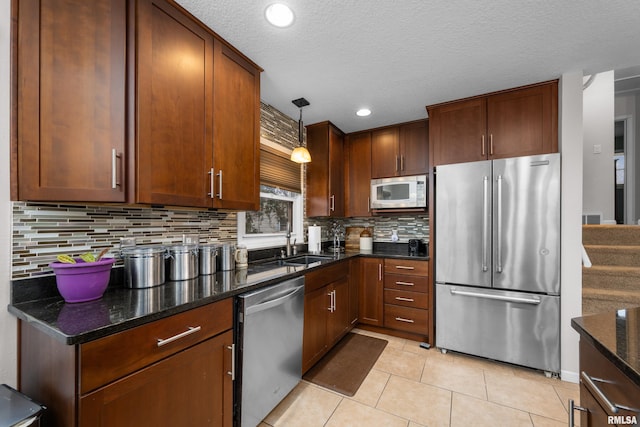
x=571, y=131
x=598, y=125
x=8, y=365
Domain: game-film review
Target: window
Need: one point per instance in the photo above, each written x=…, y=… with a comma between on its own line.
x=267, y=227
x=280, y=201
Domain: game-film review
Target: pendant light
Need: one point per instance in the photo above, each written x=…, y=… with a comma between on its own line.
x=300, y=154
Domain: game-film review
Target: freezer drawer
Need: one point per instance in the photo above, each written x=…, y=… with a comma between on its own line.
x=513, y=327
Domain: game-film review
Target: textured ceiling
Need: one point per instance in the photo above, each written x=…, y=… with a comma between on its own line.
x=396, y=57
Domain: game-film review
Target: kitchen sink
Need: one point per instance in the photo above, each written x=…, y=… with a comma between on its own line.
x=298, y=261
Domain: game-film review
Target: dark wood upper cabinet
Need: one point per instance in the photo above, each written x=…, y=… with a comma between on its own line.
x=236, y=131
x=325, y=173
x=174, y=104
x=511, y=123
x=70, y=101
x=357, y=174
x=400, y=150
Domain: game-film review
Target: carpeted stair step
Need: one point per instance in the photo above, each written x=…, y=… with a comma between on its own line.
x=614, y=255
x=611, y=235
x=611, y=278
x=607, y=300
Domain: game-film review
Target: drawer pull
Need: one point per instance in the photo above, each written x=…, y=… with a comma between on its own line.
x=189, y=331
x=589, y=382
x=405, y=284
x=232, y=372
x=405, y=267
x=405, y=299
x=402, y=319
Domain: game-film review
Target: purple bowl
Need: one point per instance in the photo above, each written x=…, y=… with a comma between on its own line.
x=82, y=281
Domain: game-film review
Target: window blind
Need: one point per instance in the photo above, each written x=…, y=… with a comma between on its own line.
x=277, y=170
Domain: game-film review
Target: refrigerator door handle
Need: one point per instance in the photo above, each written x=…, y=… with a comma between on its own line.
x=499, y=231
x=532, y=300
x=485, y=222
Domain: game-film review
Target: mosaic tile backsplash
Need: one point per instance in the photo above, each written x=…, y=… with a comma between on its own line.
x=41, y=231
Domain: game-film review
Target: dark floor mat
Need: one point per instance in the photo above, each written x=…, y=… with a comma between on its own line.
x=346, y=366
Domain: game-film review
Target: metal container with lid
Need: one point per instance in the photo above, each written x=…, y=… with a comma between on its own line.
x=143, y=266
x=227, y=257
x=183, y=261
x=208, y=258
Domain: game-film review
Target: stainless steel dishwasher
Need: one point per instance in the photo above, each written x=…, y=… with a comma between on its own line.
x=269, y=339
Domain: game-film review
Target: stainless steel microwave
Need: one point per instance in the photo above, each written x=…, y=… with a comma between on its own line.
x=399, y=192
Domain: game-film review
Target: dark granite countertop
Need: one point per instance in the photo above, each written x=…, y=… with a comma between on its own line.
x=38, y=302
x=617, y=336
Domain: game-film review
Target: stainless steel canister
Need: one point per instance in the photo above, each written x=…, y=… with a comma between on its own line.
x=183, y=262
x=144, y=266
x=208, y=258
x=227, y=257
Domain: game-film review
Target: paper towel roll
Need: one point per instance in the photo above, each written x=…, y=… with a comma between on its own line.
x=315, y=239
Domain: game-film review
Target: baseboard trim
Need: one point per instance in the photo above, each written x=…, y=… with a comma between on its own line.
x=570, y=376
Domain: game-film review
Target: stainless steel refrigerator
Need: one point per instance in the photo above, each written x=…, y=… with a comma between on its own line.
x=497, y=260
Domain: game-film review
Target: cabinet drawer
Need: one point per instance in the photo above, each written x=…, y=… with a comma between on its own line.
x=406, y=319
x=617, y=387
x=406, y=298
x=406, y=283
x=325, y=275
x=115, y=356
x=406, y=266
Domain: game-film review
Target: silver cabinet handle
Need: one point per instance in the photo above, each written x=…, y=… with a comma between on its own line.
x=397, y=163
x=405, y=283
x=491, y=144
x=211, y=183
x=499, y=234
x=368, y=204
x=404, y=267
x=483, y=147
x=332, y=200
x=401, y=163
x=189, y=331
x=232, y=373
x=533, y=300
x=589, y=382
x=573, y=407
x=220, y=185
x=331, y=306
x=405, y=299
x=114, y=168
x=402, y=319
x=485, y=222
x=380, y=271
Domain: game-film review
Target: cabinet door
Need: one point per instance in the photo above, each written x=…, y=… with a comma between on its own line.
x=314, y=338
x=385, y=158
x=336, y=172
x=174, y=89
x=358, y=175
x=189, y=388
x=414, y=148
x=236, y=99
x=371, y=291
x=523, y=122
x=457, y=132
x=354, y=282
x=325, y=173
x=339, y=321
x=71, y=100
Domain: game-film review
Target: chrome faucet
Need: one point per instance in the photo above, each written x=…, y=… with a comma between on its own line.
x=288, y=242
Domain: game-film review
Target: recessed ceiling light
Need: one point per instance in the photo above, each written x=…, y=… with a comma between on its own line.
x=363, y=112
x=279, y=14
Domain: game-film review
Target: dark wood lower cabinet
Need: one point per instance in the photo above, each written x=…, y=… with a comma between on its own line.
x=614, y=385
x=327, y=311
x=130, y=379
x=189, y=388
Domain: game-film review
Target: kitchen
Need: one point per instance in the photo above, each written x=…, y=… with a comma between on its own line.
x=569, y=268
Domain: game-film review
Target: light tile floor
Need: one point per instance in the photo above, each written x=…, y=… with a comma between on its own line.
x=412, y=387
